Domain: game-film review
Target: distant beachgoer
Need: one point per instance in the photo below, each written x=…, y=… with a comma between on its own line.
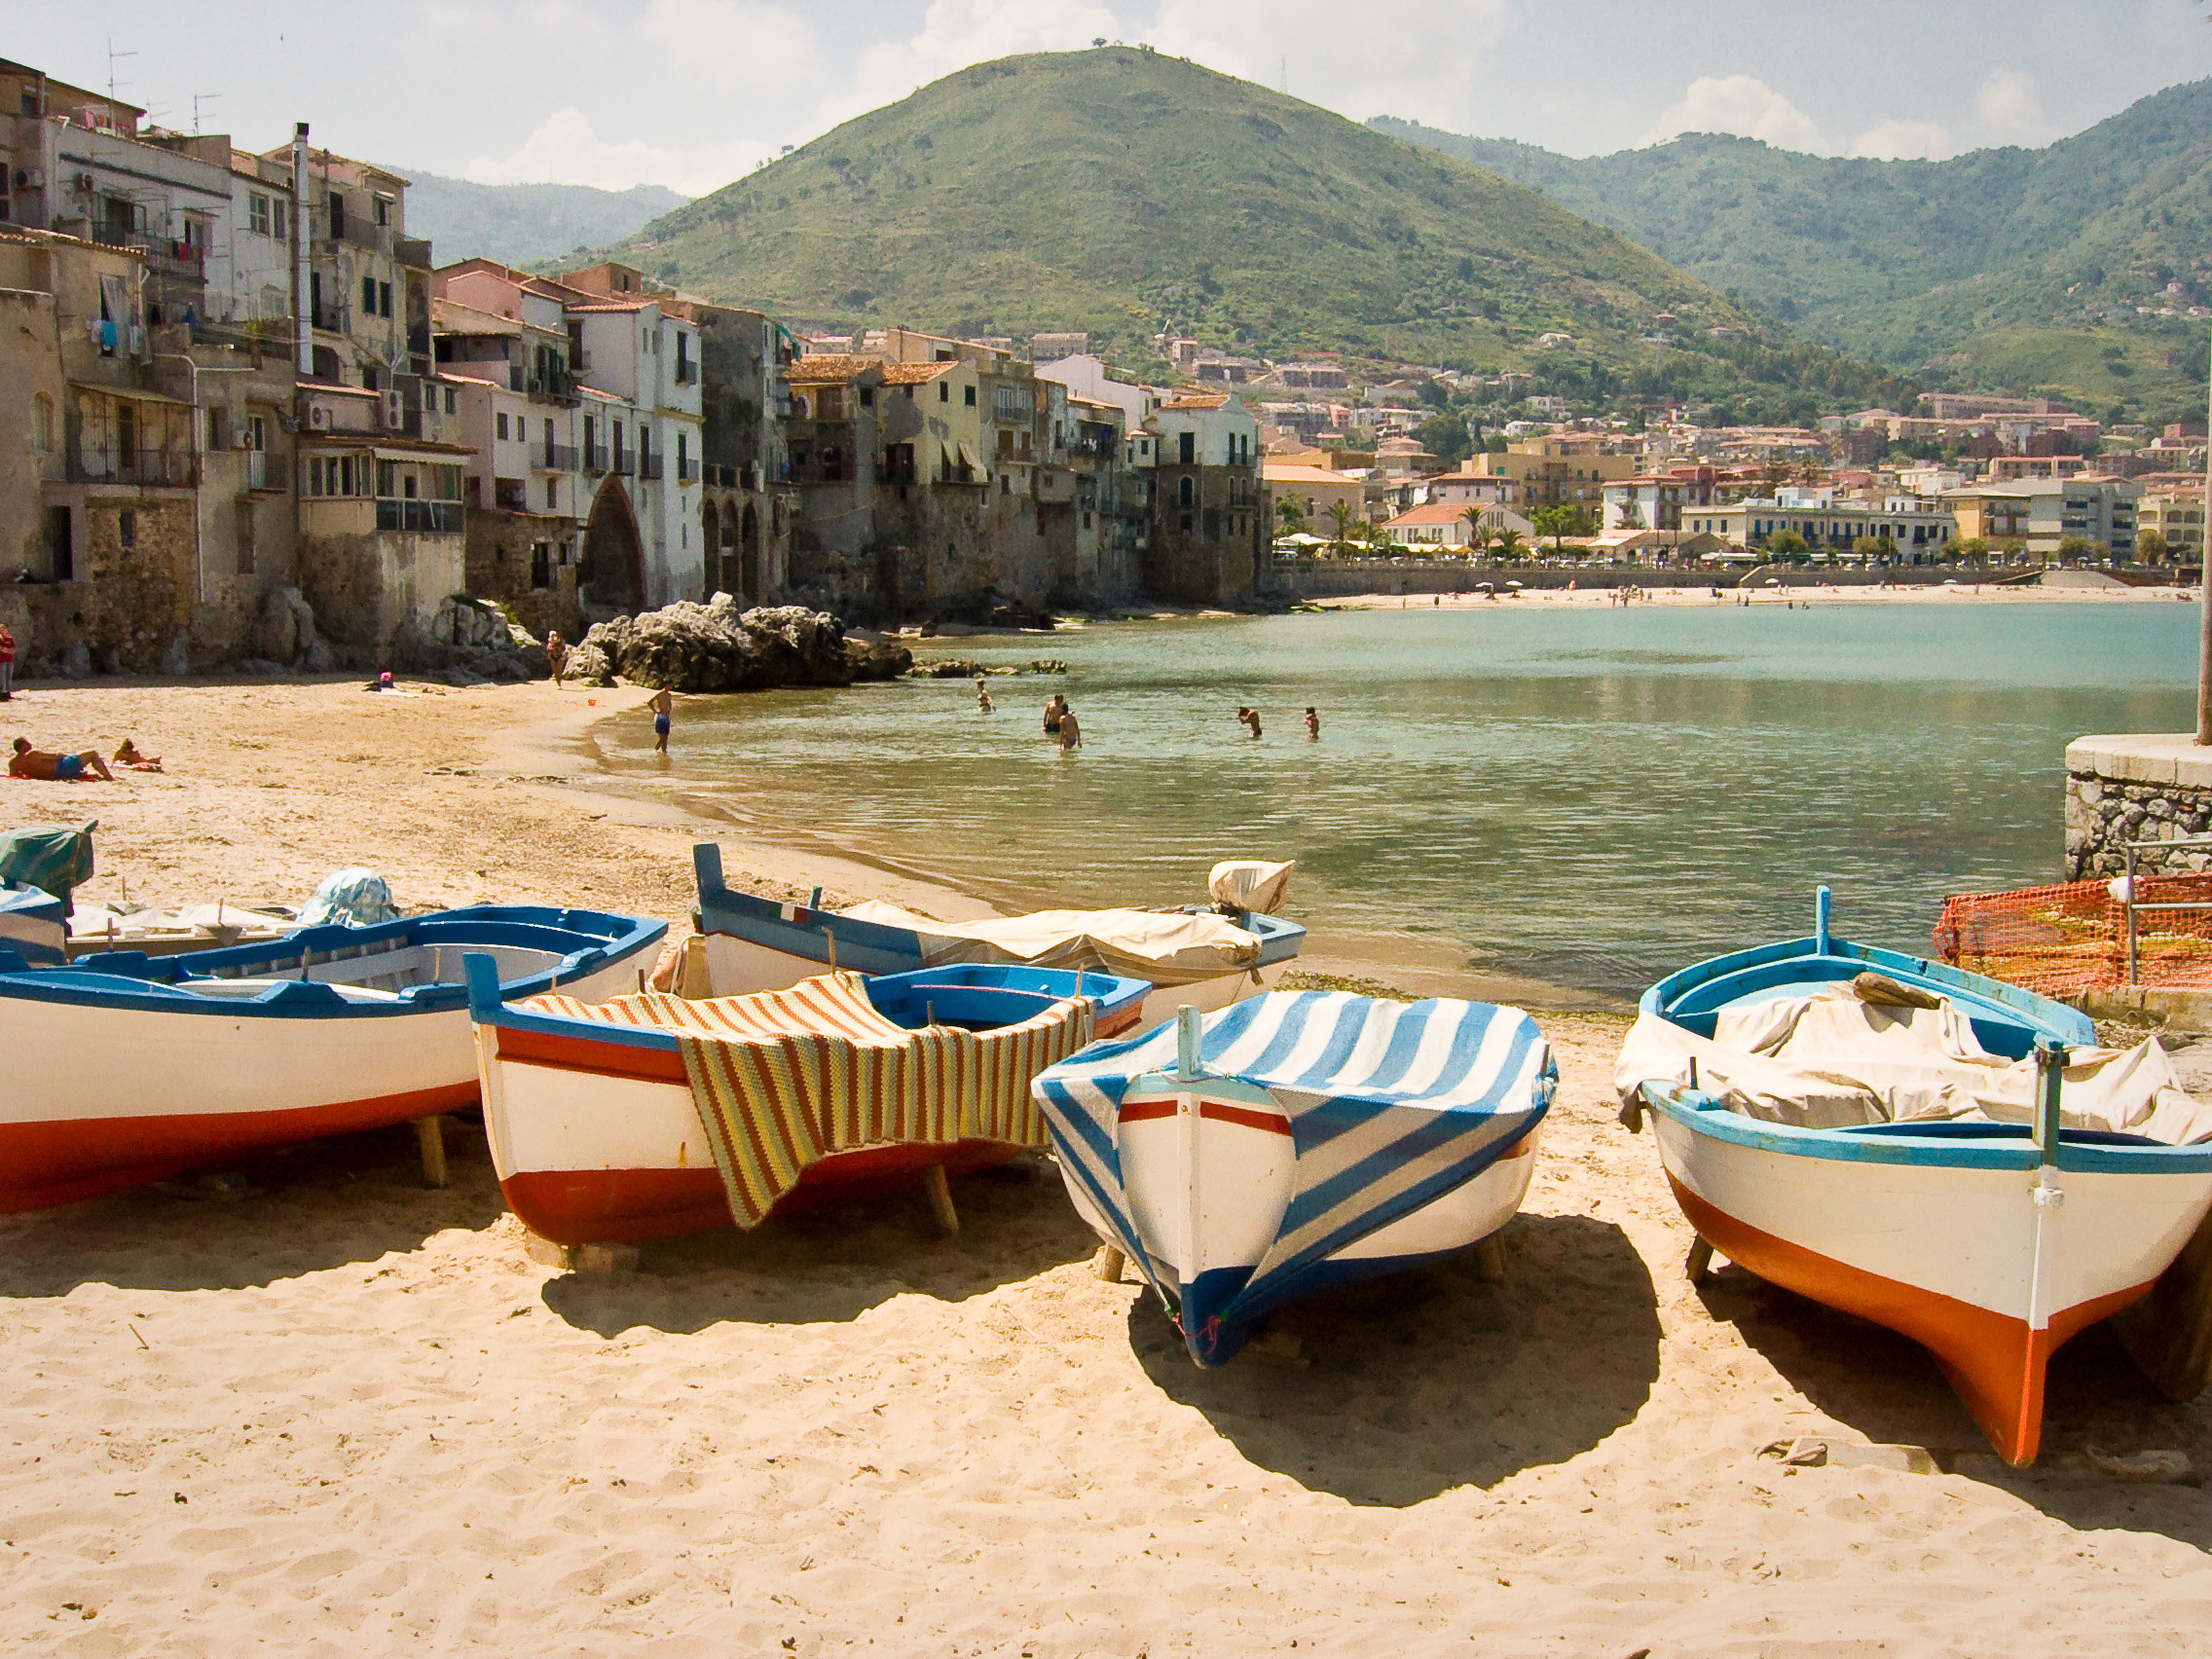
x=29, y=762
x=1069, y=731
x=1438, y=601
x=663, y=706
x=7, y=664
x=984, y=703
x=557, y=652
x=1312, y=725
x=136, y=758
x=1252, y=719
x=1056, y=709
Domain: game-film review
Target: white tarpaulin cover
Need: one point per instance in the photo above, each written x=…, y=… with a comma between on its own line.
x=1832, y=1059
x=1169, y=947
x=1250, y=884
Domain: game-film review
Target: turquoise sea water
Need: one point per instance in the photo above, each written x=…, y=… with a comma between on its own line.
x=1582, y=794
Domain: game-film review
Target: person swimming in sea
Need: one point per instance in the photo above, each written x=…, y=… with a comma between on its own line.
x=1312, y=725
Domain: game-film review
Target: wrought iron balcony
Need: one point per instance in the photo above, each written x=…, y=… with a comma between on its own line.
x=650, y=467
x=150, y=468
x=442, y=517
x=594, y=458
x=555, y=458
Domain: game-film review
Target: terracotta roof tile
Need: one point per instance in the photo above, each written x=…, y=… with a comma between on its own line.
x=912, y=374
x=829, y=367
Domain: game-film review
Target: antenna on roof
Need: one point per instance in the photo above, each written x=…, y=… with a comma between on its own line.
x=199, y=99
x=113, y=56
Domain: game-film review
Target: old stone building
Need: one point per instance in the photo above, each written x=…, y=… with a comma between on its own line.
x=1211, y=529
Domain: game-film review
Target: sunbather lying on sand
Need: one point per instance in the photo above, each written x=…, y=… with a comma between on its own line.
x=29, y=762
x=133, y=757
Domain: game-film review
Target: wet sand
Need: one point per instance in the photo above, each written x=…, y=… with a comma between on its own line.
x=338, y=1412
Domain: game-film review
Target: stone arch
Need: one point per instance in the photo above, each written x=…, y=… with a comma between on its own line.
x=611, y=572
x=711, y=542
x=750, y=577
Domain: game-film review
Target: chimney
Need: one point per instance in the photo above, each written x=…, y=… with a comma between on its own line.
x=302, y=285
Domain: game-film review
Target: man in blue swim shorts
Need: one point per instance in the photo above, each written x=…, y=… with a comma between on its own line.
x=663, y=706
x=29, y=762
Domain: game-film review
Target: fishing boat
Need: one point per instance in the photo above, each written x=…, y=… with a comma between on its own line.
x=1295, y=1141
x=1208, y=956
x=33, y=923
x=1944, y=1153
x=125, y=1068
x=653, y=1115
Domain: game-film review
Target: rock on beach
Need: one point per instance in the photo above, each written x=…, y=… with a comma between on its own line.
x=714, y=647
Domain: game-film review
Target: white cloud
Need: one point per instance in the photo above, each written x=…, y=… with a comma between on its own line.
x=2009, y=111
x=1742, y=104
x=1357, y=67
x=730, y=43
x=1904, y=140
x=956, y=33
x=565, y=149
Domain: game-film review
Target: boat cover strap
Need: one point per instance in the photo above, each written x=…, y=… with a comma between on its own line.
x=783, y=1079
x=1169, y=947
x=1834, y=1059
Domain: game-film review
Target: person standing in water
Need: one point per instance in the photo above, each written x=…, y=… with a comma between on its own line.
x=984, y=703
x=1251, y=717
x=1070, y=733
x=1312, y=725
x=663, y=706
x=1054, y=707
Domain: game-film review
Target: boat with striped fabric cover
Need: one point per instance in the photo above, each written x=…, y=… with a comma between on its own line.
x=1297, y=1140
x=1923, y=1171
x=652, y=1115
x=123, y=1068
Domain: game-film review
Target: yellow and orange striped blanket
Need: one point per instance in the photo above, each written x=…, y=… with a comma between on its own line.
x=783, y=1079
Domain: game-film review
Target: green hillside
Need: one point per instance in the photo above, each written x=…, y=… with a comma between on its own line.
x=523, y=224
x=2021, y=268
x=1125, y=192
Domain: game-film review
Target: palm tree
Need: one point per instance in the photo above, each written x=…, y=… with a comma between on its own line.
x=1478, y=533
x=1507, y=547
x=1342, y=516
x=1291, y=512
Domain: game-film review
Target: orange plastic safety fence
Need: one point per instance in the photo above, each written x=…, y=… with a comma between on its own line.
x=2074, y=937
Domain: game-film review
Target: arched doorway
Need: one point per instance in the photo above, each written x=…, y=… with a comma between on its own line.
x=710, y=545
x=610, y=574
x=750, y=575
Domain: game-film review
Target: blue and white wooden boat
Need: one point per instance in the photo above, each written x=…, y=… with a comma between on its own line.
x=1297, y=1140
x=753, y=944
x=1989, y=1243
x=123, y=1068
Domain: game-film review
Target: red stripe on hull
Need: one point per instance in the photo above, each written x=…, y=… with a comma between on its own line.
x=1214, y=1109
x=46, y=1164
x=590, y=1056
x=631, y=1207
x=1994, y=1362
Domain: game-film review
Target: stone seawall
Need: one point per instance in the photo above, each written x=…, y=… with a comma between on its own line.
x=2151, y=788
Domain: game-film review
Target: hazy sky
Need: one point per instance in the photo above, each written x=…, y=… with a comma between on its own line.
x=691, y=94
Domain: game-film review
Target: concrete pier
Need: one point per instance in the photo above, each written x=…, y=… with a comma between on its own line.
x=2141, y=786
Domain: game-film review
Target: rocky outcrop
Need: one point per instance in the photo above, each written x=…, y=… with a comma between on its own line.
x=715, y=646
x=967, y=668
x=477, y=638
x=878, y=659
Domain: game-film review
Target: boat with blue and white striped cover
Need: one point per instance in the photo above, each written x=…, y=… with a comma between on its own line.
x=1297, y=1140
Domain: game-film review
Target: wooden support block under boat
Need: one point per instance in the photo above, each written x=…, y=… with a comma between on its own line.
x=1108, y=1264
x=2168, y=1334
x=940, y=1193
x=1699, y=1262
x=1489, y=1259
x=430, y=1135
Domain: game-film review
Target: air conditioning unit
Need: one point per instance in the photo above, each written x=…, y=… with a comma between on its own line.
x=318, y=418
x=394, y=409
x=30, y=178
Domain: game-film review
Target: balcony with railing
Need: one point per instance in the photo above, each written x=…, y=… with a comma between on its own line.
x=555, y=458
x=650, y=467
x=594, y=458
x=147, y=468
x=621, y=462
x=687, y=472
x=440, y=518
x=687, y=372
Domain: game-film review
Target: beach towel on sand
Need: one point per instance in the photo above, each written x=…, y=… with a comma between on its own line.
x=783, y=1079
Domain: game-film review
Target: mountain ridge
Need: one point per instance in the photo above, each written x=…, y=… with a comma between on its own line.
x=525, y=224
x=2027, y=263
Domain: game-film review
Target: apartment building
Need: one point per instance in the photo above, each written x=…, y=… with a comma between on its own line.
x=1918, y=530
x=2178, y=517
x=1212, y=518
x=1554, y=471
x=1658, y=500
x=2038, y=514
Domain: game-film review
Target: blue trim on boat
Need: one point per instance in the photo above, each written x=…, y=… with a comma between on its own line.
x=588, y=941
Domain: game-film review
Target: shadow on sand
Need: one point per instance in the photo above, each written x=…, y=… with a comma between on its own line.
x=837, y=1260
x=1410, y=1386
x=1889, y=1388
x=298, y=1210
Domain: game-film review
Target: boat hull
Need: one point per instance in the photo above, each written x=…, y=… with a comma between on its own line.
x=1955, y=1252
x=738, y=966
x=102, y=1097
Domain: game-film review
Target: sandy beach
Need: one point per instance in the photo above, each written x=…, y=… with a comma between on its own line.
x=338, y=1412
